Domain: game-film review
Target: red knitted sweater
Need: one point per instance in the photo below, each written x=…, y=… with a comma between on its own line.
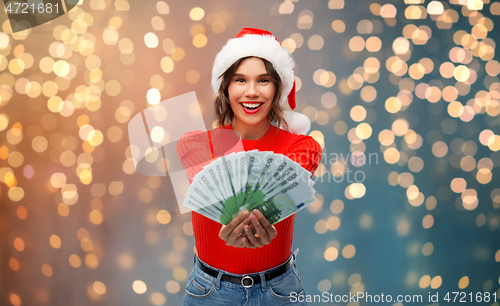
x=213, y=250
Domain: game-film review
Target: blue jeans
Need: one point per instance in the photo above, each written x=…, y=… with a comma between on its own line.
x=203, y=289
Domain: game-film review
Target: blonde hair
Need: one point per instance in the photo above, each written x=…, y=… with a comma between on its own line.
x=225, y=114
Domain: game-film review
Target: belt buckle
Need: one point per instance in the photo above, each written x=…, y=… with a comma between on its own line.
x=243, y=279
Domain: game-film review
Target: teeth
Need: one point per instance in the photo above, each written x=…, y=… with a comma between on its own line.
x=251, y=105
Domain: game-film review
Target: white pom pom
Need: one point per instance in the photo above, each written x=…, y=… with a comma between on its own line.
x=297, y=123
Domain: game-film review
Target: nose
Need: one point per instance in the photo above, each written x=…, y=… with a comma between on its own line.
x=251, y=90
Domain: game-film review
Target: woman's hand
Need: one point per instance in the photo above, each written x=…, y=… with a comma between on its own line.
x=233, y=233
x=265, y=232
x=250, y=231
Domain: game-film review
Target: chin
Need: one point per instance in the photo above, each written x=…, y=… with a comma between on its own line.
x=252, y=122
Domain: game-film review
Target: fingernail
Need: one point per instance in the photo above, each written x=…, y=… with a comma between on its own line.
x=246, y=213
x=252, y=218
x=247, y=228
x=256, y=212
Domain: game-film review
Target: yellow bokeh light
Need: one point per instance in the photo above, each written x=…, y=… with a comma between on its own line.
x=416, y=71
x=455, y=109
x=321, y=227
x=55, y=241
x=435, y=8
x=349, y=251
x=463, y=282
x=425, y=281
x=163, y=217
x=167, y=64
x=196, y=13
x=85, y=177
x=436, y=282
x=484, y=176
x=200, y=41
x=47, y=64
x=400, y=45
x=153, y=96
x=386, y=137
x=315, y=42
x=450, y=93
x=428, y=221
x=289, y=44
x=363, y=130
x=75, y=261
x=391, y=155
x=113, y=87
x=4, y=40
x=162, y=8
x=331, y=254
x=333, y=223
x=157, y=298
x=14, y=299
x=179, y=274
x=115, y=188
x=358, y=113
x=368, y=93
x=173, y=287
x=16, y=66
x=357, y=190
x=393, y=105
x=58, y=180
x=458, y=185
x=99, y=287
x=494, y=143
x=356, y=44
x=461, y=73
x=474, y=5
x=388, y=11
x=63, y=209
x=305, y=20
x=373, y=44
x=19, y=244
x=91, y=261
x=139, y=287
x=151, y=40
x=338, y=26
x=47, y=270
x=158, y=23
x=115, y=22
x=16, y=194
x=415, y=12
x=61, y=68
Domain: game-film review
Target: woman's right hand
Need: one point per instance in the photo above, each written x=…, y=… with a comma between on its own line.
x=234, y=232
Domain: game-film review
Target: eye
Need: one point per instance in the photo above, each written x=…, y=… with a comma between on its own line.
x=239, y=80
x=264, y=80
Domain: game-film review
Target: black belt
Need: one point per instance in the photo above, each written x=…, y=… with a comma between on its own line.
x=247, y=281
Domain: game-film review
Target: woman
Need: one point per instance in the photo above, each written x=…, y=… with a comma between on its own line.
x=249, y=261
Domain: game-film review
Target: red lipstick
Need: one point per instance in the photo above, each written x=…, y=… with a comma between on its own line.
x=249, y=107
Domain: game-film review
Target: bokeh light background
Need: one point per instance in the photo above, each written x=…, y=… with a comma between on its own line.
x=404, y=94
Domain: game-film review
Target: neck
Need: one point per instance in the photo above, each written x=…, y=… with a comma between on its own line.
x=251, y=132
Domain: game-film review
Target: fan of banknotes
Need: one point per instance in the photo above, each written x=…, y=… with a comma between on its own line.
x=272, y=183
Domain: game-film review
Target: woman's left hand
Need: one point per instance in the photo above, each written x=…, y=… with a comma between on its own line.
x=264, y=231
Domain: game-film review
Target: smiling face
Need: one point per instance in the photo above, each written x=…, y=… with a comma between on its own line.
x=251, y=92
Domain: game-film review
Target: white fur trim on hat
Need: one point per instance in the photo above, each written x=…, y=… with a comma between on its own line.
x=263, y=46
x=297, y=123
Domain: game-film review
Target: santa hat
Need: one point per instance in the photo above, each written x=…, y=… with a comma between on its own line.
x=263, y=44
